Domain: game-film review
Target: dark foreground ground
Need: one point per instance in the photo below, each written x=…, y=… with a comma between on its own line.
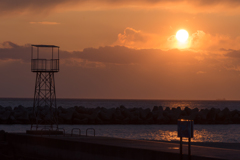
x=7, y=152
x=211, y=144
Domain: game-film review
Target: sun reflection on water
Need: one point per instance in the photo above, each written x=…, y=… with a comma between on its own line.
x=199, y=136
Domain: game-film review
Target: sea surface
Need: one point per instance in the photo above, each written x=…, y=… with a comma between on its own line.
x=114, y=103
x=202, y=133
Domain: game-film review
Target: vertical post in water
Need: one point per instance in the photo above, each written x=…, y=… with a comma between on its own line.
x=189, y=148
x=180, y=148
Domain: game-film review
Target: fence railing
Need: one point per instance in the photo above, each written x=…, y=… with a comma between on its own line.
x=45, y=65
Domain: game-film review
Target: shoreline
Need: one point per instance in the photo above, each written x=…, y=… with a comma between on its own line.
x=223, y=145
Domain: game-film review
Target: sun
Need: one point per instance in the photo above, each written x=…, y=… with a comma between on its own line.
x=182, y=35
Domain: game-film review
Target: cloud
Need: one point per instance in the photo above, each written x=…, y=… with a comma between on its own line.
x=103, y=57
x=109, y=55
x=214, y=42
x=233, y=53
x=138, y=39
x=8, y=44
x=46, y=6
x=87, y=57
x=45, y=23
x=201, y=72
x=73, y=62
x=198, y=40
x=232, y=58
x=196, y=37
x=207, y=42
x=121, y=72
x=10, y=50
x=118, y=55
x=133, y=38
x=121, y=55
x=194, y=41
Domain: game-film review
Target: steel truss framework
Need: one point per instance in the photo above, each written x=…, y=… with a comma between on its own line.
x=45, y=112
x=45, y=96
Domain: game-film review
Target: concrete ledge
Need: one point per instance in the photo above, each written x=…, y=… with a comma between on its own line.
x=105, y=148
x=44, y=132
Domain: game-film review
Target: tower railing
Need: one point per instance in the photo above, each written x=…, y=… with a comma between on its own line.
x=45, y=65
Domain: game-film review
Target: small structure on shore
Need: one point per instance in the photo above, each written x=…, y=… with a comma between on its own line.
x=45, y=94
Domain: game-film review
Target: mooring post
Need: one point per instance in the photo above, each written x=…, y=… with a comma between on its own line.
x=189, y=148
x=180, y=148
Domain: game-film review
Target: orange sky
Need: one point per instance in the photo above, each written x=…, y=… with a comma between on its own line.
x=124, y=48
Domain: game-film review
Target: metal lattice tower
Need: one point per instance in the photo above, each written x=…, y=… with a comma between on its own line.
x=44, y=105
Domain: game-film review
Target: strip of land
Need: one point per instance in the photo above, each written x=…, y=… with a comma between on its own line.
x=107, y=148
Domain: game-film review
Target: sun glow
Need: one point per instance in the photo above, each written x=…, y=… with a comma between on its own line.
x=182, y=35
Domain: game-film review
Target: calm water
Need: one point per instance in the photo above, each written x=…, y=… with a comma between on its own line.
x=93, y=103
x=202, y=133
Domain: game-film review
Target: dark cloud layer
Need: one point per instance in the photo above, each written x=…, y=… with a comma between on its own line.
x=111, y=54
x=14, y=51
x=37, y=6
x=107, y=54
x=120, y=72
x=233, y=53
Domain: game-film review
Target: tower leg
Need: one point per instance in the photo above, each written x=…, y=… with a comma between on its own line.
x=44, y=105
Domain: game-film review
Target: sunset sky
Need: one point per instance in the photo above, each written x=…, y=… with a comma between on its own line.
x=124, y=49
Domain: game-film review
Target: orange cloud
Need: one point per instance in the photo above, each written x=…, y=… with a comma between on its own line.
x=78, y=62
x=119, y=55
x=201, y=72
x=123, y=72
x=4, y=62
x=194, y=41
x=45, y=23
x=200, y=40
x=138, y=39
x=132, y=38
x=205, y=41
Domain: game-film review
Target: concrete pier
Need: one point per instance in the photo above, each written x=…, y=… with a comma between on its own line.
x=105, y=148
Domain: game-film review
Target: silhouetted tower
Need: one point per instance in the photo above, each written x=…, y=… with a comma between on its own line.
x=45, y=94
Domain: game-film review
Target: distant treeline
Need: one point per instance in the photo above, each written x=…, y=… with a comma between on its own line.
x=121, y=115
